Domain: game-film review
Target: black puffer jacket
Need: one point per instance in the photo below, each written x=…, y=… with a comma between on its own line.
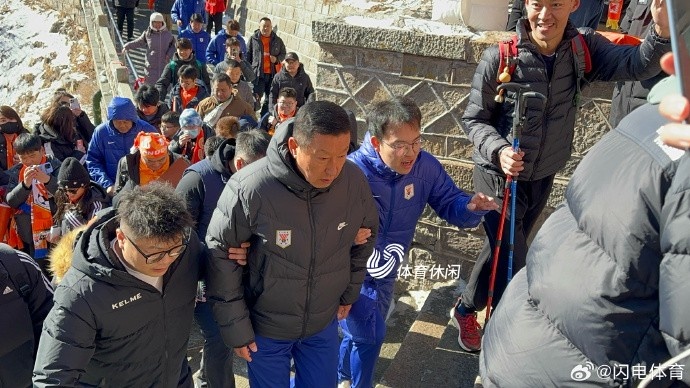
x=302, y=263
x=606, y=280
x=110, y=329
x=255, y=51
x=300, y=82
x=548, y=134
x=631, y=95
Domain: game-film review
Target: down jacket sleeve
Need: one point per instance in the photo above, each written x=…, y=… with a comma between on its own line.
x=360, y=253
x=481, y=108
x=95, y=159
x=449, y=202
x=229, y=227
x=674, y=289
x=67, y=341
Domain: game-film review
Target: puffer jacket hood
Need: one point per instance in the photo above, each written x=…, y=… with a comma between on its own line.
x=61, y=254
x=282, y=165
x=122, y=108
x=224, y=155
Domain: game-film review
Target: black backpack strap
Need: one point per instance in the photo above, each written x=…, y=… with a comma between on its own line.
x=16, y=270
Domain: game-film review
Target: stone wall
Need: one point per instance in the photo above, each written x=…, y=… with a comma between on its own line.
x=357, y=65
x=292, y=21
x=113, y=76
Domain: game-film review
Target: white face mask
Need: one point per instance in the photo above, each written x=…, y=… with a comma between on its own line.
x=192, y=132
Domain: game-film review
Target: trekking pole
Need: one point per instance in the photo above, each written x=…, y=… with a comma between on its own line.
x=510, y=185
x=519, y=118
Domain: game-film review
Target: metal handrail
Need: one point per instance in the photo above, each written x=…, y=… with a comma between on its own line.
x=119, y=38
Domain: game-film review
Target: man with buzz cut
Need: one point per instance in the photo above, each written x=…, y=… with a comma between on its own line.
x=123, y=310
x=300, y=208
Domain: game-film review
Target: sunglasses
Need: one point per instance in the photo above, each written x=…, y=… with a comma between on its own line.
x=71, y=191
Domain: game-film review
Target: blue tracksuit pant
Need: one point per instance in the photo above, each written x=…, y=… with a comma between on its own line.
x=316, y=360
x=363, y=332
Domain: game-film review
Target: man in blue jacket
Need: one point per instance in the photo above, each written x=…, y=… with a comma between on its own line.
x=182, y=11
x=112, y=140
x=215, y=52
x=403, y=179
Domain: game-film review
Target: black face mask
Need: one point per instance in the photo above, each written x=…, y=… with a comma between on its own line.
x=10, y=128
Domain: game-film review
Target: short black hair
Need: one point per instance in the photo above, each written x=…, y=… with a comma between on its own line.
x=232, y=25
x=232, y=41
x=221, y=77
x=196, y=17
x=252, y=145
x=212, y=144
x=320, y=117
x=26, y=143
x=147, y=95
x=232, y=64
x=287, y=92
x=188, y=72
x=265, y=19
x=397, y=110
x=154, y=211
x=183, y=43
x=171, y=118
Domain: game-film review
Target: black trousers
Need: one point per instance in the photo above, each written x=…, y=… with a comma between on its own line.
x=129, y=14
x=262, y=86
x=530, y=201
x=216, y=20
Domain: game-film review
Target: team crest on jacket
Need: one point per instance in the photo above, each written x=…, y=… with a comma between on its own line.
x=381, y=265
x=409, y=191
x=283, y=238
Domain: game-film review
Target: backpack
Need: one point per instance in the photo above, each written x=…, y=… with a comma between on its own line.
x=508, y=53
x=15, y=271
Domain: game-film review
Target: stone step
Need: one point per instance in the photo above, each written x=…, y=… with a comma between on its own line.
x=429, y=355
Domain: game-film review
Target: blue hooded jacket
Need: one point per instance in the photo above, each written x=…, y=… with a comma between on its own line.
x=215, y=53
x=183, y=10
x=200, y=41
x=108, y=145
x=401, y=199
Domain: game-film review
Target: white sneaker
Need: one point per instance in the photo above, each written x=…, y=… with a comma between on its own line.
x=345, y=384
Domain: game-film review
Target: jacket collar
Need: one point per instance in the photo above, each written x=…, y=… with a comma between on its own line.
x=372, y=160
x=282, y=165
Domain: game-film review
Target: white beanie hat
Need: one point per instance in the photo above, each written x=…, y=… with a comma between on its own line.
x=157, y=17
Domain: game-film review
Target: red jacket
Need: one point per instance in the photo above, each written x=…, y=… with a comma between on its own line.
x=215, y=6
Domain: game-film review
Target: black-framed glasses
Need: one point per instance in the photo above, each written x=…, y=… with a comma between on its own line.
x=400, y=147
x=72, y=191
x=174, y=252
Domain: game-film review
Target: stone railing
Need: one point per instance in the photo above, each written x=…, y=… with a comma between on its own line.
x=357, y=65
x=113, y=76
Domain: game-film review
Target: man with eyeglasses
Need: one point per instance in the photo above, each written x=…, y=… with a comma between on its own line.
x=123, y=311
x=285, y=109
x=403, y=179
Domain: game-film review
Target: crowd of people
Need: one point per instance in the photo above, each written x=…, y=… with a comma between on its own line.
x=283, y=241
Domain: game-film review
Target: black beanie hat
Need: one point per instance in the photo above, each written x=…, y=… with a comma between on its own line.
x=72, y=174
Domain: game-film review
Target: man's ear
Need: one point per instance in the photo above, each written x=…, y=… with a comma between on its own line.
x=292, y=146
x=238, y=164
x=376, y=143
x=120, y=237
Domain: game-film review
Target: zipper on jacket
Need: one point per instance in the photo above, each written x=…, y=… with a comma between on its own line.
x=544, y=120
x=310, y=273
x=389, y=217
